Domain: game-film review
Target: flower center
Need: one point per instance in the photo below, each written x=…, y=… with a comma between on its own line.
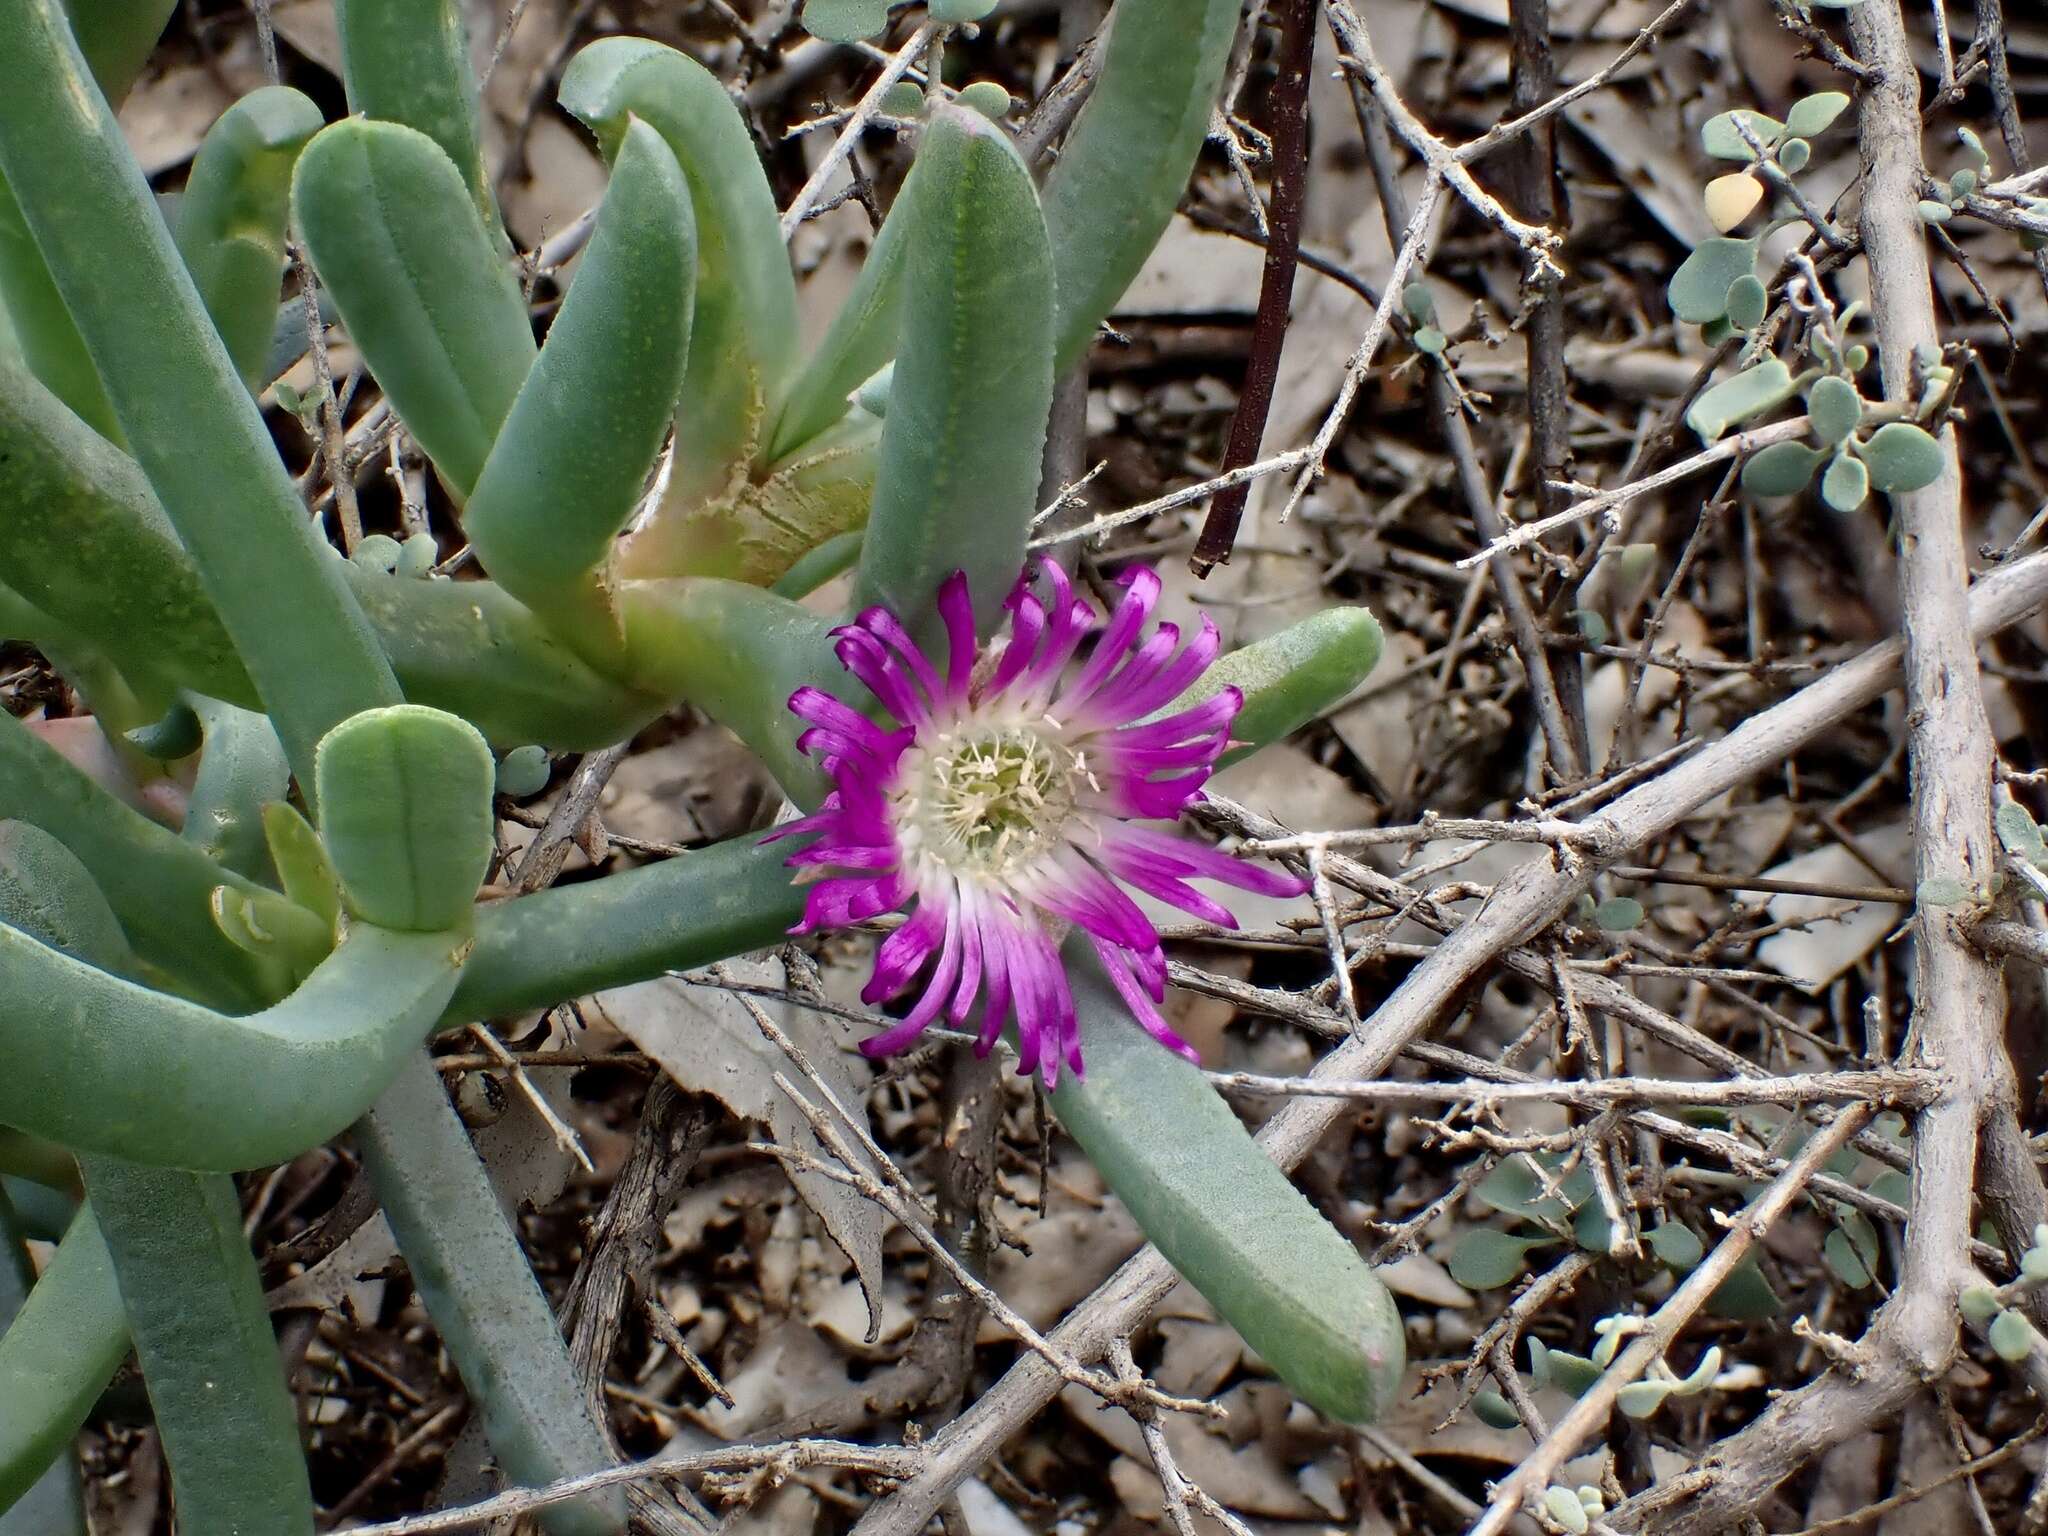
x=983, y=800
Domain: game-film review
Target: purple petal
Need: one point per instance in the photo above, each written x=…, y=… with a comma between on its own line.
x=1120, y=635
x=1115, y=963
x=869, y=660
x=882, y=623
x=1140, y=696
x=1027, y=626
x=956, y=607
x=905, y=951
x=1183, y=857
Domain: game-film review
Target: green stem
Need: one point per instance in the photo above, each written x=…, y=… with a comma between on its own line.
x=477, y=1286
x=52, y=1506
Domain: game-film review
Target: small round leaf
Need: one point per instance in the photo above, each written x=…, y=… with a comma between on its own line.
x=1618, y=914
x=378, y=552
x=1699, y=288
x=1746, y=302
x=1932, y=212
x=523, y=771
x=1793, y=156
x=1430, y=340
x=1978, y=1304
x=1836, y=409
x=1676, y=1245
x=988, y=98
x=1846, y=483
x=2012, y=1336
x=1563, y=1506
x=1902, y=457
x=416, y=556
x=845, y=21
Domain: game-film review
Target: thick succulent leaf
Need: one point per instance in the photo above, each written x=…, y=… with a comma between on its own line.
x=1229, y=1220
x=425, y=292
x=184, y=410
x=480, y=1291
x=581, y=438
x=572, y=940
x=242, y=769
x=209, y=1356
x=1127, y=158
x=53, y=1505
x=1811, y=115
x=743, y=339
x=231, y=218
x=1720, y=137
x=1291, y=677
x=57, y=1355
x=737, y=652
x=45, y=891
x=41, y=327
x=161, y=887
x=845, y=21
x=859, y=342
x=405, y=814
x=407, y=61
x=965, y=434
x=121, y=1069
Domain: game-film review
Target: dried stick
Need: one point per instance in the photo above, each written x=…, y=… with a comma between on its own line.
x=869, y=104
x=1276, y=282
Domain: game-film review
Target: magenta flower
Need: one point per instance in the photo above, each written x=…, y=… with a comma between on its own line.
x=1006, y=806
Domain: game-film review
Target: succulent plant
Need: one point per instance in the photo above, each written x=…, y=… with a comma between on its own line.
x=178, y=1006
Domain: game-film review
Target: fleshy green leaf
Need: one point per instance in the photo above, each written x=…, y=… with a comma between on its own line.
x=1486, y=1259
x=988, y=97
x=1978, y=1304
x=407, y=61
x=1846, y=483
x=1560, y=1368
x=1941, y=891
x=1781, y=469
x=1514, y=1189
x=1747, y=394
x=1745, y=1295
x=1811, y=115
x=1793, y=156
x=523, y=771
x=1835, y=407
x=1565, y=1508
x=1747, y=302
x=1851, y=1250
x=409, y=822
x=1640, y=1399
x=1699, y=288
x=1676, y=1245
x=1618, y=914
x=1495, y=1411
x=845, y=21
x=2017, y=832
x=1720, y=138
x=1902, y=457
x=955, y=11
x=2012, y=1336
x=1932, y=212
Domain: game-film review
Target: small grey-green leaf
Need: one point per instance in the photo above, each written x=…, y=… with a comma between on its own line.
x=2034, y=1264
x=1676, y=1245
x=2017, y=832
x=1618, y=914
x=1591, y=624
x=1716, y=331
x=1941, y=891
x=988, y=97
x=1640, y=1399
x=1835, y=407
x=1932, y=212
x=1430, y=340
x=1745, y=1295
x=1514, y=1189
x=1978, y=1304
x=1811, y=115
x=1749, y=393
x=903, y=99
x=416, y=556
x=1857, y=357
x=1974, y=148
x=1747, y=301
x=1419, y=302
x=523, y=771
x=1485, y=1259
x=2012, y=1336
x=378, y=552
x=1562, y=1369
x=1846, y=483
x=1592, y=1230
x=1846, y=1254
x=1563, y=1506
x=1963, y=183
x=1782, y=469
x=1902, y=457
x=1495, y=1411
x=1720, y=138
x=1699, y=288
x=1793, y=155
x=845, y=21
x=957, y=11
